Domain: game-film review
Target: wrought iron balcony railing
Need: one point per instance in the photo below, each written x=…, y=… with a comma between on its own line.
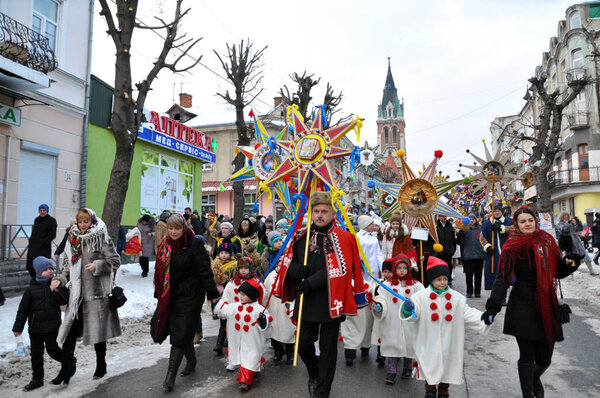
x=578, y=120
x=25, y=46
x=570, y=176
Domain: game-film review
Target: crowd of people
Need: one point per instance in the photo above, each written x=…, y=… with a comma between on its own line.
x=378, y=287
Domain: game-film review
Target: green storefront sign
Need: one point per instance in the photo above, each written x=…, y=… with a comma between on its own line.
x=10, y=115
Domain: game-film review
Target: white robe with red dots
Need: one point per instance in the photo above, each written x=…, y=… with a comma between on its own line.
x=396, y=337
x=231, y=293
x=245, y=338
x=282, y=329
x=440, y=334
x=357, y=330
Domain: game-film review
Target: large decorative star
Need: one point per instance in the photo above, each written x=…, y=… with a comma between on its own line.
x=493, y=171
x=370, y=159
x=308, y=152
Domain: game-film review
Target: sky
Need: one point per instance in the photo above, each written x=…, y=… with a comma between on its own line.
x=456, y=64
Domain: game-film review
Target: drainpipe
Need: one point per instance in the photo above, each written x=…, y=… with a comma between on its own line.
x=86, y=117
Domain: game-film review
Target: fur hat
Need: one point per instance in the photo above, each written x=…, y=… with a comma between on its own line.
x=364, y=221
x=252, y=289
x=273, y=236
x=436, y=267
x=320, y=198
x=396, y=216
x=387, y=264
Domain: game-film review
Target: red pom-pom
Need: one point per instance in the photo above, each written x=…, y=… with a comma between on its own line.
x=395, y=283
x=341, y=338
x=338, y=172
x=448, y=306
x=256, y=145
x=366, y=286
x=247, y=318
x=262, y=359
x=448, y=296
x=236, y=298
x=379, y=341
x=407, y=291
x=237, y=317
x=396, y=290
x=240, y=307
x=270, y=318
x=226, y=351
x=432, y=295
x=525, y=161
x=433, y=306
x=435, y=317
x=237, y=283
x=236, y=290
x=237, y=326
x=249, y=308
x=395, y=299
x=438, y=154
x=448, y=317
x=246, y=328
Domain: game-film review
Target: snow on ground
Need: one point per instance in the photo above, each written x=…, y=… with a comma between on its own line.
x=134, y=349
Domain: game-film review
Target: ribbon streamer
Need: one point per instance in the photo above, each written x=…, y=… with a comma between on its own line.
x=265, y=188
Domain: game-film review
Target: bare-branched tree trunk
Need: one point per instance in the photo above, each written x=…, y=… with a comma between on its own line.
x=243, y=69
x=301, y=96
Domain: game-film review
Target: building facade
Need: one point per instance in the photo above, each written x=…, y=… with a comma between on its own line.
x=575, y=176
x=45, y=58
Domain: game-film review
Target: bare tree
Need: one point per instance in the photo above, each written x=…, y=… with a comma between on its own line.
x=301, y=96
x=333, y=101
x=243, y=69
x=546, y=138
x=127, y=111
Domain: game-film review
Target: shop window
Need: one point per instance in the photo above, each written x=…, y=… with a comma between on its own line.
x=584, y=171
x=209, y=203
x=45, y=20
x=249, y=199
x=167, y=183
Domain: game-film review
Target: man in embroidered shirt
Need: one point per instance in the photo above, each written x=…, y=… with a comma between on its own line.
x=332, y=286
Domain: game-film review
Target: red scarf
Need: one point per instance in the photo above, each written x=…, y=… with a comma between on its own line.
x=546, y=255
x=407, y=279
x=162, y=275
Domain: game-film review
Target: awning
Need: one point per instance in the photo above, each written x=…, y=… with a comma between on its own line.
x=213, y=186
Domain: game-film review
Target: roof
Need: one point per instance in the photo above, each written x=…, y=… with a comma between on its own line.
x=213, y=186
x=390, y=94
x=390, y=164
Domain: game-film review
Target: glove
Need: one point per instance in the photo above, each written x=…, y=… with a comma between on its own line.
x=262, y=320
x=490, y=250
x=488, y=317
x=496, y=226
x=409, y=306
x=377, y=307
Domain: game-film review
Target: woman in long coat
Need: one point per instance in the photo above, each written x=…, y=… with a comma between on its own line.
x=87, y=262
x=532, y=262
x=181, y=280
x=147, y=226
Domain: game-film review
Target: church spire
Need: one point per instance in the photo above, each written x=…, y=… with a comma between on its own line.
x=390, y=94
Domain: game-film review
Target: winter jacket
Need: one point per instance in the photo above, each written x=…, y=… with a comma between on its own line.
x=198, y=226
x=42, y=235
x=40, y=307
x=470, y=246
x=446, y=237
x=595, y=229
x=147, y=242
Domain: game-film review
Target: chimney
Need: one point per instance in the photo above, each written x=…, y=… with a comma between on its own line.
x=185, y=100
x=277, y=101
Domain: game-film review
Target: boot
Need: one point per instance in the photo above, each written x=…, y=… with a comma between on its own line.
x=100, y=360
x=220, y=341
x=33, y=384
x=526, y=379
x=538, y=387
x=67, y=369
x=190, y=364
x=174, y=361
x=591, y=268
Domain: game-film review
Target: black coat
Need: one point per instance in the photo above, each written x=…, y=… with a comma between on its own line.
x=41, y=308
x=42, y=235
x=191, y=280
x=446, y=237
x=522, y=318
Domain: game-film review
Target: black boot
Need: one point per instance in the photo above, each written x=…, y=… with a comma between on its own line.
x=526, y=379
x=289, y=353
x=100, y=360
x=190, y=364
x=174, y=361
x=220, y=341
x=67, y=369
x=538, y=387
x=33, y=384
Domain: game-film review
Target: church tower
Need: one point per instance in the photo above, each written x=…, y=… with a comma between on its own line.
x=390, y=119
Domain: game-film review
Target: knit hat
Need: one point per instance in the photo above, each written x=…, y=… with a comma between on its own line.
x=401, y=258
x=44, y=206
x=252, y=289
x=40, y=264
x=226, y=224
x=387, y=264
x=498, y=206
x=273, y=237
x=472, y=216
x=320, y=198
x=436, y=267
x=245, y=262
x=396, y=216
x=364, y=221
x=227, y=247
x=283, y=224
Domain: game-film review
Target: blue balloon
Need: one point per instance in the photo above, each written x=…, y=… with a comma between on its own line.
x=466, y=220
x=371, y=184
x=249, y=162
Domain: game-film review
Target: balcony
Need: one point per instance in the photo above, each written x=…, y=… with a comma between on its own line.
x=26, y=56
x=576, y=74
x=573, y=176
x=579, y=120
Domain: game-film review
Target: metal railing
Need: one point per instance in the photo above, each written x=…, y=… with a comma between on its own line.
x=579, y=120
x=570, y=176
x=25, y=46
x=576, y=74
x=15, y=241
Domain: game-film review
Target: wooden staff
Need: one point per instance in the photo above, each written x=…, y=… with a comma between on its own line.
x=491, y=218
x=308, y=225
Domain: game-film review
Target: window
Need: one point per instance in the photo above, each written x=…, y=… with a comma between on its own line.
x=249, y=199
x=394, y=135
x=385, y=136
x=167, y=183
x=207, y=167
x=577, y=62
x=209, y=203
x=584, y=164
x=569, y=165
x=574, y=20
x=45, y=20
x=563, y=70
x=572, y=206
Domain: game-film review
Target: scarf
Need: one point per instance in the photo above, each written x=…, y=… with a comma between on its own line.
x=238, y=278
x=162, y=275
x=541, y=251
x=407, y=279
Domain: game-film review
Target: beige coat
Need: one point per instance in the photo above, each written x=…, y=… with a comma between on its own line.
x=161, y=232
x=99, y=322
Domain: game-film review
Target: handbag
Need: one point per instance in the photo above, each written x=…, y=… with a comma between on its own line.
x=565, y=310
x=158, y=338
x=116, y=297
